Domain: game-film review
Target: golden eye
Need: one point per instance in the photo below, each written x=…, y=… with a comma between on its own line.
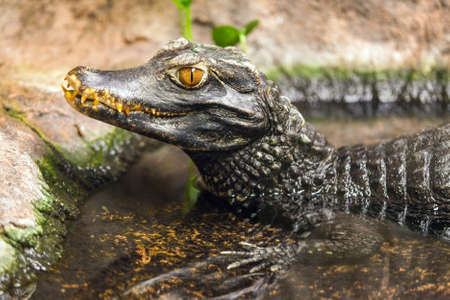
x=190, y=76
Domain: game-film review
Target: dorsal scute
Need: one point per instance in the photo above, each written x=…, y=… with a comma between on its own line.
x=177, y=44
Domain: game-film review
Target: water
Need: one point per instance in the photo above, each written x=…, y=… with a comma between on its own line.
x=137, y=230
x=334, y=93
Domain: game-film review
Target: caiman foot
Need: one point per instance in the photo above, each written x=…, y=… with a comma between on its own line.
x=206, y=278
x=345, y=238
x=275, y=259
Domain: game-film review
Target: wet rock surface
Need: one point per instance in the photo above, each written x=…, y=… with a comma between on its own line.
x=50, y=159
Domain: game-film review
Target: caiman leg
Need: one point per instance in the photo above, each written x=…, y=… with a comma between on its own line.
x=346, y=237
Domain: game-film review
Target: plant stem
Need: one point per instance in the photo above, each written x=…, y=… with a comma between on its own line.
x=187, y=23
x=243, y=42
x=191, y=191
x=181, y=20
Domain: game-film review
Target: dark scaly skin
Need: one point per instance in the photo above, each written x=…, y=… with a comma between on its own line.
x=253, y=148
x=404, y=180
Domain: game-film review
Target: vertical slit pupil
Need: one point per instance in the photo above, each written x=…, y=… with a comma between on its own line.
x=190, y=76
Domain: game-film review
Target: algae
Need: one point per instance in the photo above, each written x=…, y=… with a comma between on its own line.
x=191, y=191
x=342, y=73
x=24, y=236
x=7, y=256
x=340, y=93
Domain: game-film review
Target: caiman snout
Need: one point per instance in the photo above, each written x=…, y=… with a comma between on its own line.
x=87, y=88
x=79, y=95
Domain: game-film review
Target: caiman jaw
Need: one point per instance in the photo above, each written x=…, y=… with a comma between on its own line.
x=89, y=97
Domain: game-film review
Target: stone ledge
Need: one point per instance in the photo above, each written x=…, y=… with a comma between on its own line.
x=51, y=158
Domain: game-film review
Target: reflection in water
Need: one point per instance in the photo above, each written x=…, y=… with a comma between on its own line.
x=407, y=266
x=133, y=240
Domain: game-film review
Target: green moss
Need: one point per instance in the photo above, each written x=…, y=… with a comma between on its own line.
x=7, y=256
x=59, y=185
x=307, y=72
x=24, y=236
x=191, y=191
x=102, y=148
x=340, y=73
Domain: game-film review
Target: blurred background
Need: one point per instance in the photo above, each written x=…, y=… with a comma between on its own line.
x=53, y=35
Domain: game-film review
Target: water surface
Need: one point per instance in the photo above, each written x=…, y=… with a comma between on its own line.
x=138, y=229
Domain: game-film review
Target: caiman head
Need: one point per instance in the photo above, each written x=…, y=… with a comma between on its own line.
x=197, y=97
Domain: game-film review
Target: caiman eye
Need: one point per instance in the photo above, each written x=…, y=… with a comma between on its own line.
x=190, y=76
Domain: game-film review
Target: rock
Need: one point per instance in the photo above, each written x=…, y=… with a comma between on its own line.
x=365, y=33
x=20, y=182
x=50, y=156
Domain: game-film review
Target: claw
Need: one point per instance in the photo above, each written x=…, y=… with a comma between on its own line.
x=236, y=253
x=244, y=262
x=275, y=258
x=259, y=267
x=249, y=246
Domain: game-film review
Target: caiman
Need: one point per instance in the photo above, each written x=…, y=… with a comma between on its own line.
x=255, y=151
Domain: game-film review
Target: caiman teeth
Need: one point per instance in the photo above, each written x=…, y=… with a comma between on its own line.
x=119, y=107
x=69, y=94
x=88, y=94
x=75, y=89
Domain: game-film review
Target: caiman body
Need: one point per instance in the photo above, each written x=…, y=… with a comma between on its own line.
x=254, y=149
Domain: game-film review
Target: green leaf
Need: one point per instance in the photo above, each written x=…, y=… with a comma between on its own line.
x=243, y=42
x=186, y=3
x=191, y=191
x=250, y=26
x=178, y=3
x=225, y=36
x=181, y=4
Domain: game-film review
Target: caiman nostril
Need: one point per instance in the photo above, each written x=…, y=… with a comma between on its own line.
x=78, y=70
x=72, y=78
x=73, y=87
x=73, y=82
